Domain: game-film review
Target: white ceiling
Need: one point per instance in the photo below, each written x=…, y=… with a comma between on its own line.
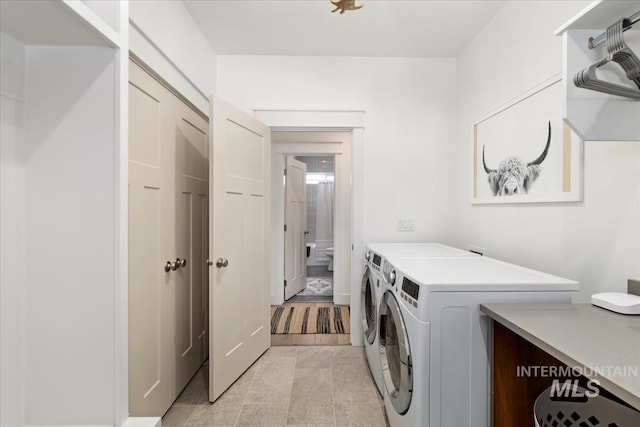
x=392, y=28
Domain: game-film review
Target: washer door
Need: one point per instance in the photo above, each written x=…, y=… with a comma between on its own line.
x=368, y=305
x=395, y=354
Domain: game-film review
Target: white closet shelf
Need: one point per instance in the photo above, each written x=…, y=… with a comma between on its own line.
x=599, y=13
x=56, y=23
x=597, y=116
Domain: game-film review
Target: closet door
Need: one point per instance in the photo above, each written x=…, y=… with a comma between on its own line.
x=240, y=244
x=168, y=244
x=151, y=245
x=192, y=176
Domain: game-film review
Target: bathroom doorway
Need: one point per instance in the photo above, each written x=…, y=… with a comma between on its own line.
x=318, y=235
x=334, y=147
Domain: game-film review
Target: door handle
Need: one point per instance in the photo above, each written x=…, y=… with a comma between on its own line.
x=181, y=262
x=171, y=266
x=222, y=262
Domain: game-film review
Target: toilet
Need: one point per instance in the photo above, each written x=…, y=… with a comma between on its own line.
x=329, y=252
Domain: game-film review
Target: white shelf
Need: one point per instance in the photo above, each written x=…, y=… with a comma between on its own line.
x=64, y=190
x=599, y=13
x=596, y=116
x=56, y=23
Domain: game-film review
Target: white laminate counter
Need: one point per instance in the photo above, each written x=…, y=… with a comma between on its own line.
x=603, y=345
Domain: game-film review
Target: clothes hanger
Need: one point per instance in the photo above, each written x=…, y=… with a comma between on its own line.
x=588, y=79
x=619, y=53
x=597, y=41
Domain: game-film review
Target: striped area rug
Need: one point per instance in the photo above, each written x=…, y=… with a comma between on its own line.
x=309, y=319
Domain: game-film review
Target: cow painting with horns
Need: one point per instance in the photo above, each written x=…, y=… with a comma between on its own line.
x=513, y=176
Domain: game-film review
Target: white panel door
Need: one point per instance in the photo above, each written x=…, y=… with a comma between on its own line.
x=192, y=221
x=239, y=245
x=151, y=246
x=295, y=272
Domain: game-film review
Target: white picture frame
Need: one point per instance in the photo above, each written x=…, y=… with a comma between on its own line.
x=524, y=152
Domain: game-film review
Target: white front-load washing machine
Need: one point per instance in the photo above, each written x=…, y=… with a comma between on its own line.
x=434, y=342
x=404, y=338
x=371, y=290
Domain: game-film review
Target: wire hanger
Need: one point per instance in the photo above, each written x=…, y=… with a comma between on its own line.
x=619, y=53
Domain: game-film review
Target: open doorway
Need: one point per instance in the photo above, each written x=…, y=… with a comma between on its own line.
x=341, y=134
x=334, y=229
x=318, y=249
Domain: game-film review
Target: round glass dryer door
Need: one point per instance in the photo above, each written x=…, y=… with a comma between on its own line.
x=368, y=305
x=395, y=354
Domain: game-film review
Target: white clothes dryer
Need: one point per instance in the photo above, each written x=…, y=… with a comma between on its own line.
x=433, y=340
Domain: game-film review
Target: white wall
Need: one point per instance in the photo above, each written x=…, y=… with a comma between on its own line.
x=165, y=36
x=69, y=154
x=12, y=249
x=57, y=223
x=597, y=241
x=408, y=133
x=108, y=10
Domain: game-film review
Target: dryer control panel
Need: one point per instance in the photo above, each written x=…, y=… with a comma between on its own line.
x=410, y=291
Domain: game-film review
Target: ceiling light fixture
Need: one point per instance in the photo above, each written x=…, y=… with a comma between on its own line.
x=343, y=5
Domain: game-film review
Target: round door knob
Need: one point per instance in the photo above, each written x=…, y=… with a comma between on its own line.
x=222, y=262
x=181, y=262
x=170, y=266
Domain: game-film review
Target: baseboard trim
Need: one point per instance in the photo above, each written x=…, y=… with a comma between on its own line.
x=344, y=299
x=143, y=422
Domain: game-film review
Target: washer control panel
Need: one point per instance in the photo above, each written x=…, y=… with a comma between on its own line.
x=376, y=262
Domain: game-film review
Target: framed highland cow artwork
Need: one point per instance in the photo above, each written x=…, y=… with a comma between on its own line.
x=523, y=152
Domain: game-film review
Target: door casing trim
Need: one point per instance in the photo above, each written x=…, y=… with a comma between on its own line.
x=326, y=121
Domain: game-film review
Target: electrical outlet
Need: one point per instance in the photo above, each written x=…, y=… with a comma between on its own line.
x=476, y=249
x=406, y=224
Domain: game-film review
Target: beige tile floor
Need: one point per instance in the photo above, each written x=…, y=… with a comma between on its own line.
x=288, y=386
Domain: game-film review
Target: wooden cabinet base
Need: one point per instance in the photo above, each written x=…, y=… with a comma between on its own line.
x=519, y=374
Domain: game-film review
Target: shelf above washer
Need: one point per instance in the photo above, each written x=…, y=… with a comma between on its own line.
x=596, y=116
